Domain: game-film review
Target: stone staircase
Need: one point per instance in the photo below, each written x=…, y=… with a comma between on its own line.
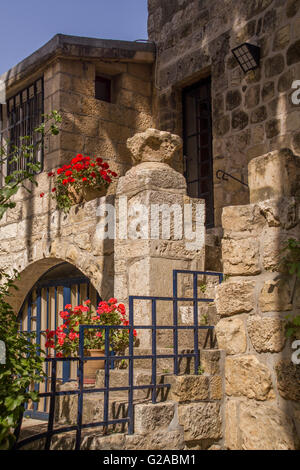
x=186, y=416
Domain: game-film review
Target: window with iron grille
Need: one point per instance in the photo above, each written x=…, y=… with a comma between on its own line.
x=19, y=117
x=197, y=137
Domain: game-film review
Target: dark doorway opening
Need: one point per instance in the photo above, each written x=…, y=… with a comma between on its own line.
x=197, y=137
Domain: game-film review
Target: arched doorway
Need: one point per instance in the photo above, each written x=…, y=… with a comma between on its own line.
x=62, y=284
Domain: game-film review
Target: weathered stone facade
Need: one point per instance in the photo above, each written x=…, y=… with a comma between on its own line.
x=248, y=399
x=261, y=381
x=252, y=114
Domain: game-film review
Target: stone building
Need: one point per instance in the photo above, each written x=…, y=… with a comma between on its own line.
x=185, y=80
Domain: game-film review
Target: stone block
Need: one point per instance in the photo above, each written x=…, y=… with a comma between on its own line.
x=239, y=120
x=292, y=7
x=233, y=99
x=241, y=218
x=130, y=99
x=293, y=121
x=252, y=96
x=222, y=125
x=231, y=335
x=273, y=127
x=256, y=151
x=86, y=125
x=267, y=334
x=275, y=296
x=189, y=388
x=265, y=427
x=200, y=421
x=282, y=37
x=274, y=175
x=135, y=84
x=241, y=257
x=273, y=241
x=258, y=134
x=279, y=212
x=71, y=141
x=216, y=387
x=246, y=376
x=293, y=53
x=231, y=425
x=268, y=91
x=285, y=80
x=150, y=417
x=233, y=297
x=259, y=115
x=274, y=65
x=210, y=361
x=151, y=175
x=160, y=440
x=288, y=380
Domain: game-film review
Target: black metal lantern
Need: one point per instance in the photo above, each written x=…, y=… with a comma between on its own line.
x=247, y=55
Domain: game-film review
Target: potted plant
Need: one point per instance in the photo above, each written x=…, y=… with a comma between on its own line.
x=65, y=339
x=84, y=179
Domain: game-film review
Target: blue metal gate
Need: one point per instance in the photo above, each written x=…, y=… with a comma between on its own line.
x=176, y=355
x=40, y=311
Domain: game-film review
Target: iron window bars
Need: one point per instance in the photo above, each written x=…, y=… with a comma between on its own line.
x=47, y=435
x=197, y=138
x=24, y=112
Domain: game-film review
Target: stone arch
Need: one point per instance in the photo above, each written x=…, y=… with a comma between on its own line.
x=31, y=274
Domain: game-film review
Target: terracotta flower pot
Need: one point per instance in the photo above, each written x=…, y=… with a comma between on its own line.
x=76, y=196
x=92, y=193
x=85, y=194
x=91, y=367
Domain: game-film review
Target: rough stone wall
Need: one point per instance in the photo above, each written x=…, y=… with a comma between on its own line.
x=35, y=231
x=35, y=236
x=91, y=126
x=262, y=384
x=253, y=113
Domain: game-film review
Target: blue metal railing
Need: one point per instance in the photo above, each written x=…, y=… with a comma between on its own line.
x=153, y=387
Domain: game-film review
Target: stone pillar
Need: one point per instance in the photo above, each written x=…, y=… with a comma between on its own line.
x=262, y=384
x=146, y=257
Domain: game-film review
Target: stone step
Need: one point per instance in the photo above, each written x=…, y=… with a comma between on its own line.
x=190, y=412
x=209, y=359
x=66, y=406
x=120, y=378
x=93, y=410
x=93, y=403
x=148, y=418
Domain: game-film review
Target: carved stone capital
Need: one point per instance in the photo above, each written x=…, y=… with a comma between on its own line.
x=153, y=146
